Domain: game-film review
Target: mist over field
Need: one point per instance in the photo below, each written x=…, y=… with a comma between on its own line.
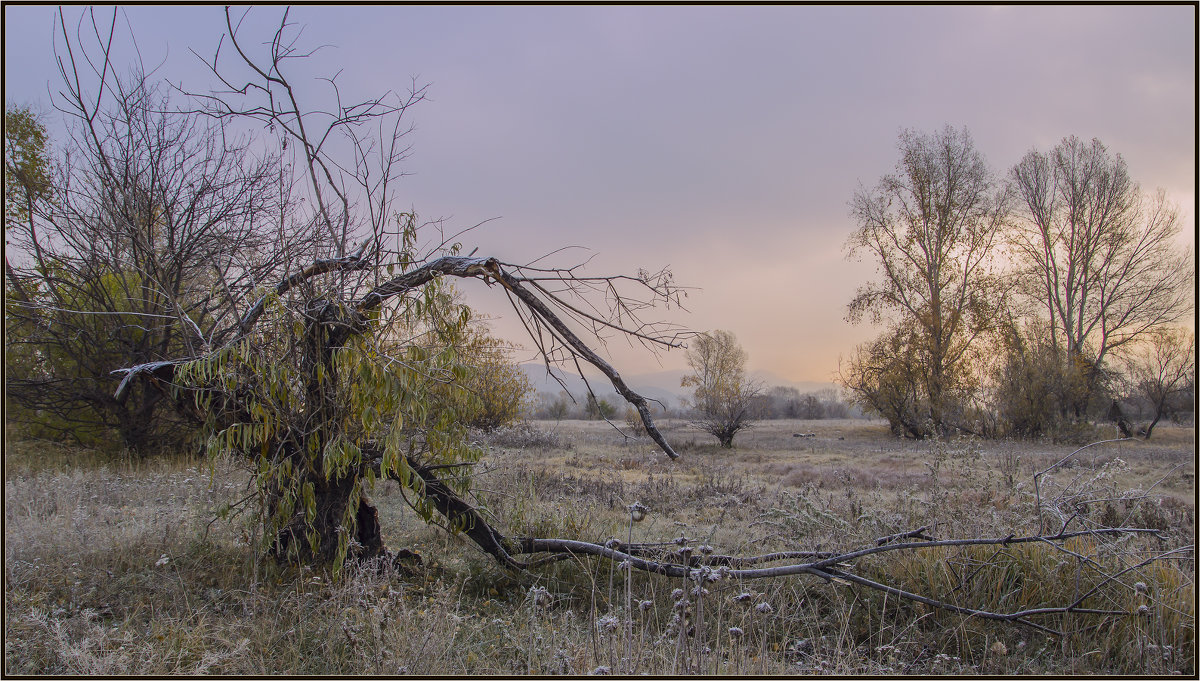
x=664, y=386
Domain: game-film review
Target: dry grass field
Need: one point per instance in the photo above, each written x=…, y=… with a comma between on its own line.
x=122, y=567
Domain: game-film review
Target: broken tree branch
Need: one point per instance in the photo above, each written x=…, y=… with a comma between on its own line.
x=486, y=269
x=828, y=566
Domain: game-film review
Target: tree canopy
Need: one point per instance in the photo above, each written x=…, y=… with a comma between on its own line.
x=931, y=227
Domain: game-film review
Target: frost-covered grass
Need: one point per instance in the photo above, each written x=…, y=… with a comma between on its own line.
x=118, y=567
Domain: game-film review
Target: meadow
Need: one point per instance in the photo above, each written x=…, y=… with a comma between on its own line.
x=120, y=566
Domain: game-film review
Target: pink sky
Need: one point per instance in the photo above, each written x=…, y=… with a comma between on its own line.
x=722, y=141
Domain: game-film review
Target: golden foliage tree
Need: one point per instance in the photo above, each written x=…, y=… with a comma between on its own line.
x=502, y=389
x=724, y=396
x=931, y=227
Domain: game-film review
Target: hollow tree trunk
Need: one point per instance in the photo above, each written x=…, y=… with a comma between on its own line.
x=293, y=541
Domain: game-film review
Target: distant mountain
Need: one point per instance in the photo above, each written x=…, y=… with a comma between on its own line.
x=656, y=386
x=659, y=385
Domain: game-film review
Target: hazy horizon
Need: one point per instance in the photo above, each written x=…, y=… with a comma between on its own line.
x=722, y=141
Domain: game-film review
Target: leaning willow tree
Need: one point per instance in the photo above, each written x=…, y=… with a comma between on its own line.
x=351, y=366
x=326, y=391
x=349, y=369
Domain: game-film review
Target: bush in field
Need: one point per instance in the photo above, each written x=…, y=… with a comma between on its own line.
x=599, y=408
x=725, y=399
x=502, y=389
x=524, y=435
x=1035, y=389
x=882, y=380
x=634, y=421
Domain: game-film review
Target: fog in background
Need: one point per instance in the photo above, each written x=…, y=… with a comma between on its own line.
x=724, y=142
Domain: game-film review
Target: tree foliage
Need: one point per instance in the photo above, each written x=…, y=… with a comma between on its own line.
x=1032, y=382
x=884, y=378
x=323, y=401
x=931, y=227
x=724, y=396
x=27, y=164
x=27, y=175
x=598, y=408
x=502, y=389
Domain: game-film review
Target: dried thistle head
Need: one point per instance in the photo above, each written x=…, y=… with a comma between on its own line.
x=637, y=512
x=607, y=624
x=539, y=596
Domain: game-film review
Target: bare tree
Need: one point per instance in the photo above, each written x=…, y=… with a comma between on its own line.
x=346, y=158
x=1096, y=253
x=1162, y=370
x=724, y=396
x=932, y=226
x=146, y=240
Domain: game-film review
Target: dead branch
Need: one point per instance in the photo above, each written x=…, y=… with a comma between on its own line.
x=833, y=567
x=486, y=269
x=1037, y=476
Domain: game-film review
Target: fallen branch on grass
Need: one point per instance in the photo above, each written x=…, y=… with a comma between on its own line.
x=831, y=566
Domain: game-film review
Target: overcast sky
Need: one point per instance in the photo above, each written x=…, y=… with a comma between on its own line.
x=722, y=141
